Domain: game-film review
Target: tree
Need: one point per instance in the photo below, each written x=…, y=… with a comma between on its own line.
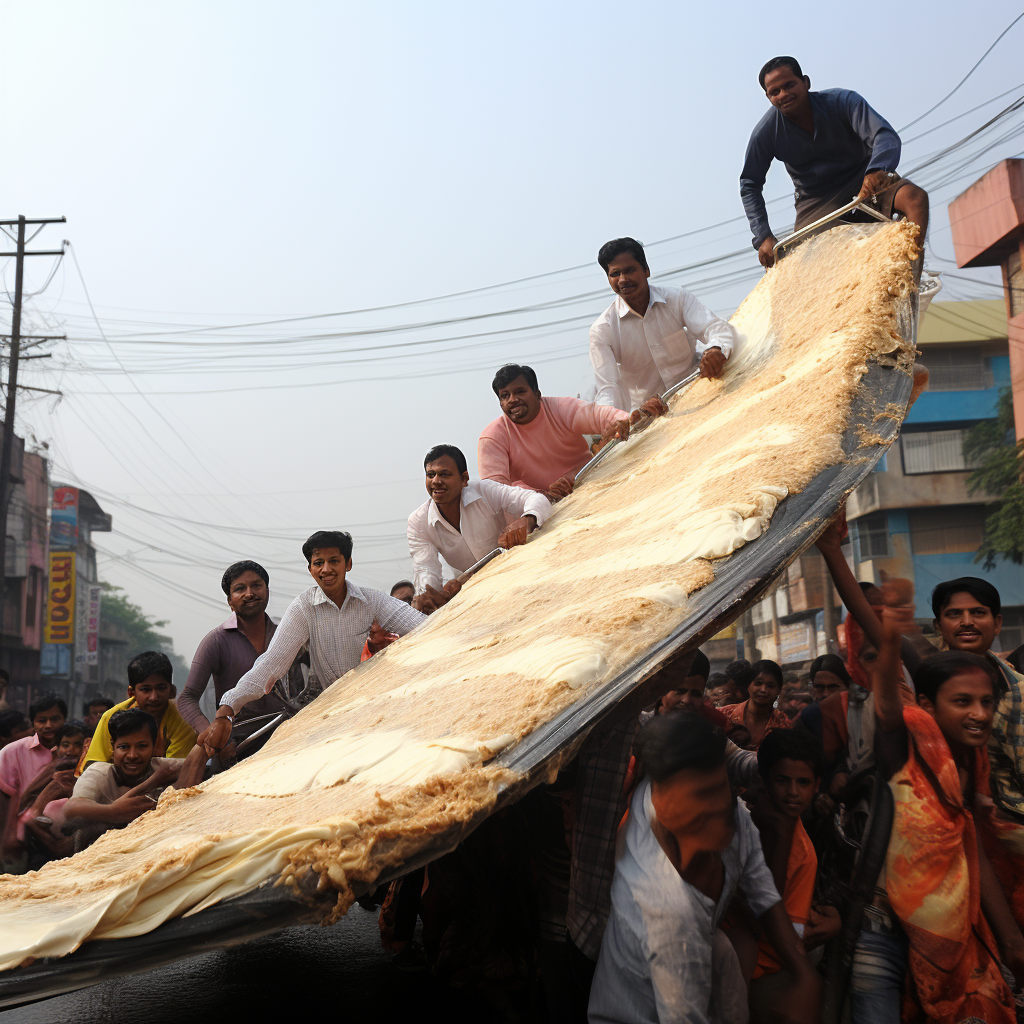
x=999, y=461
x=141, y=631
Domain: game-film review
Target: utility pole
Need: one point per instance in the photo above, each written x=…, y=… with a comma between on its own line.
x=7, y=443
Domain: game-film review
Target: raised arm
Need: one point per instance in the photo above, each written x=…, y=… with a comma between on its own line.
x=830, y=544
x=886, y=672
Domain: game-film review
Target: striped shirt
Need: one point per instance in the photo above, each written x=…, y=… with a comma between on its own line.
x=335, y=637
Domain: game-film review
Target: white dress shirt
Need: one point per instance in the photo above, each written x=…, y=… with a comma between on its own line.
x=637, y=357
x=335, y=637
x=487, y=508
x=656, y=961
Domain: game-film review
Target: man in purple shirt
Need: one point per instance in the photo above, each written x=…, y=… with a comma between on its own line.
x=230, y=650
x=834, y=146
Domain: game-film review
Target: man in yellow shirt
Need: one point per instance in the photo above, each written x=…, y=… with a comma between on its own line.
x=150, y=689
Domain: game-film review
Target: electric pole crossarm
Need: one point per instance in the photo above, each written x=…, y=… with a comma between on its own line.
x=35, y=252
x=41, y=220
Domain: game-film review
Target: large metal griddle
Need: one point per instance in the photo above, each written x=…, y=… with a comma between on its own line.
x=740, y=580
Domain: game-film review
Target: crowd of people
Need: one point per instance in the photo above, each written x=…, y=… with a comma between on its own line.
x=683, y=866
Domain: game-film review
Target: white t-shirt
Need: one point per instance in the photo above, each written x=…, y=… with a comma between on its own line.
x=656, y=955
x=99, y=781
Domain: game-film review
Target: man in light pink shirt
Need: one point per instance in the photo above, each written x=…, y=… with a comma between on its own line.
x=20, y=762
x=538, y=443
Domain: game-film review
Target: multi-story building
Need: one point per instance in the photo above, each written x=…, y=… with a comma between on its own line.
x=914, y=517
x=25, y=571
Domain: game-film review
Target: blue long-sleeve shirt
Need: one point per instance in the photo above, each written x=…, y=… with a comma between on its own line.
x=850, y=138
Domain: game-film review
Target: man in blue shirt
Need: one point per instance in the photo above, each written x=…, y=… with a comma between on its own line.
x=834, y=146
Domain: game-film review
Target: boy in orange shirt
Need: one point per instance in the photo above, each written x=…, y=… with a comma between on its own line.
x=790, y=763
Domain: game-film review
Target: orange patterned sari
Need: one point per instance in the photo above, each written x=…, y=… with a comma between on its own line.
x=933, y=884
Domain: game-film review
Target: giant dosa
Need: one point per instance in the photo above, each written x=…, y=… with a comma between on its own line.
x=409, y=746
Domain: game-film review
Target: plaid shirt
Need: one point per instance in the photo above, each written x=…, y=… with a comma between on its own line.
x=1006, y=744
x=335, y=637
x=598, y=807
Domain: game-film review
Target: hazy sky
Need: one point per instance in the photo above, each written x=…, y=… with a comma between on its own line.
x=222, y=164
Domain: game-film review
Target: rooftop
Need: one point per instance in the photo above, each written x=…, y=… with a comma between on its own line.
x=957, y=322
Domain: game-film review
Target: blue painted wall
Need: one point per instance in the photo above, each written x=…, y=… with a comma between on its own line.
x=929, y=570
x=940, y=407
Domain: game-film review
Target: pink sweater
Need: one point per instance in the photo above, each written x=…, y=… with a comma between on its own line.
x=551, y=446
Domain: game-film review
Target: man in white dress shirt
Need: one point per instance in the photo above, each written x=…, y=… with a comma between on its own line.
x=462, y=521
x=685, y=849
x=335, y=617
x=650, y=337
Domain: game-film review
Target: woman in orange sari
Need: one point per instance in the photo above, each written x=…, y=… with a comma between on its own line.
x=937, y=879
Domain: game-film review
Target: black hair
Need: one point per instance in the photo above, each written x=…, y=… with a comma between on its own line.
x=770, y=667
x=328, y=539
x=400, y=584
x=779, y=62
x=940, y=668
x=149, y=663
x=5, y=676
x=616, y=247
x=740, y=673
x=10, y=720
x=99, y=699
x=233, y=571
x=69, y=729
x=44, y=703
x=128, y=721
x=796, y=744
x=829, y=663
x=439, y=451
x=1016, y=659
x=671, y=743
x=716, y=679
x=981, y=590
x=700, y=666
x=509, y=372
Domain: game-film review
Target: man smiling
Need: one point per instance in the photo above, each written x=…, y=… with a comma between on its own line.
x=334, y=617
x=834, y=146
x=650, y=337
x=230, y=650
x=538, y=442
x=463, y=521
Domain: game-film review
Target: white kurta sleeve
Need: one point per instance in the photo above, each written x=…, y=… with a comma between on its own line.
x=275, y=661
x=607, y=377
x=426, y=559
x=707, y=329
x=515, y=501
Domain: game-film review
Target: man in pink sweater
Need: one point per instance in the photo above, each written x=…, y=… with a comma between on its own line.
x=538, y=443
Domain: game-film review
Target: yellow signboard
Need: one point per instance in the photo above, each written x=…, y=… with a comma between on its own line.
x=60, y=599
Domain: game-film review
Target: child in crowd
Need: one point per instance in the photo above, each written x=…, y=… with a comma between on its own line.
x=758, y=713
x=20, y=762
x=793, y=701
x=938, y=880
x=150, y=689
x=789, y=762
x=14, y=725
x=115, y=792
x=721, y=690
x=94, y=709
